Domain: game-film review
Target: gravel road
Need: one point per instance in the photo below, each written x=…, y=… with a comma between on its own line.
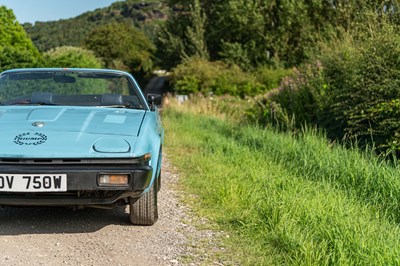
x=59, y=236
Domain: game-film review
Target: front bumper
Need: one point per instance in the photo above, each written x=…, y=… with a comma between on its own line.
x=82, y=182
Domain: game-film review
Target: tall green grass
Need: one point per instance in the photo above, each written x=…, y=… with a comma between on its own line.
x=285, y=199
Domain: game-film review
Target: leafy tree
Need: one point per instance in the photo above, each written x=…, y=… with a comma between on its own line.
x=256, y=33
x=122, y=46
x=16, y=49
x=195, y=33
x=145, y=15
x=69, y=56
x=247, y=33
x=172, y=36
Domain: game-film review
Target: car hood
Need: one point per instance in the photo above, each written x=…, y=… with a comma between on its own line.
x=68, y=132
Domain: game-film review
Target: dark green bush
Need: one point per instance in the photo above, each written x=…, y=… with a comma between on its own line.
x=69, y=56
x=364, y=77
x=299, y=99
x=271, y=77
x=201, y=76
x=352, y=90
x=187, y=85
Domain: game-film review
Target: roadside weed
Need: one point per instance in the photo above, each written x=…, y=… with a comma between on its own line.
x=284, y=199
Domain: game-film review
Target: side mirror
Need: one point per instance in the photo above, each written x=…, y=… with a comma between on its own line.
x=154, y=100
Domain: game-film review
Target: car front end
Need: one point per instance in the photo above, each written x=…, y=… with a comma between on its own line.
x=78, y=138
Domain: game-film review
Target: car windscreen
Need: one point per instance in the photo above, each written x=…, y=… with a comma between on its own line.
x=71, y=88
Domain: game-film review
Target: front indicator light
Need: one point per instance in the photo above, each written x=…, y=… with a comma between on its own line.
x=113, y=179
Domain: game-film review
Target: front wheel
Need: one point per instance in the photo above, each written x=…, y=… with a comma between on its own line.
x=143, y=211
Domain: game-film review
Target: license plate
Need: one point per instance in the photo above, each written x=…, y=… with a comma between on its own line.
x=33, y=183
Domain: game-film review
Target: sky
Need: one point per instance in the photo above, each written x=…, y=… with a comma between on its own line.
x=46, y=10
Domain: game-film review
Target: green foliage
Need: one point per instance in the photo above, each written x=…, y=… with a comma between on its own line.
x=121, y=46
x=299, y=99
x=145, y=15
x=71, y=57
x=16, y=49
x=284, y=199
x=271, y=77
x=201, y=76
x=191, y=41
x=196, y=33
x=363, y=74
x=352, y=90
x=256, y=33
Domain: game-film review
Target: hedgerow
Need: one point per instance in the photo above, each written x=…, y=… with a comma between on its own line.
x=202, y=76
x=351, y=89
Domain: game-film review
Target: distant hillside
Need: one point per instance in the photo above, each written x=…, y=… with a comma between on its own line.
x=146, y=15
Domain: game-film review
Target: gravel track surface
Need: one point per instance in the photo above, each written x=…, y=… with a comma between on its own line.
x=59, y=236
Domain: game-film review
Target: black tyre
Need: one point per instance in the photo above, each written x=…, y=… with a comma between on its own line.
x=158, y=165
x=143, y=211
x=159, y=182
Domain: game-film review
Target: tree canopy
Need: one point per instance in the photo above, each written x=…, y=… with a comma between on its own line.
x=259, y=32
x=145, y=15
x=16, y=48
x=69, y=56
x=121, y=46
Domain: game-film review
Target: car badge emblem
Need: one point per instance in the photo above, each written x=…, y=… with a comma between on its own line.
x=30, y=138
x=38, y=124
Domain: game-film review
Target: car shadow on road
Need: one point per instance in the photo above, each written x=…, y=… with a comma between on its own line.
x=50, y=220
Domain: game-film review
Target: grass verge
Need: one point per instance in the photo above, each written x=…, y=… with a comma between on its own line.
x=284, y=199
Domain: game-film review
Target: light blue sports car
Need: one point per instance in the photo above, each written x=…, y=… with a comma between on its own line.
x=79, y=138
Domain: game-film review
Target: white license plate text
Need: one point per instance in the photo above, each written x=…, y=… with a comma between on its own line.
x=33, y=183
